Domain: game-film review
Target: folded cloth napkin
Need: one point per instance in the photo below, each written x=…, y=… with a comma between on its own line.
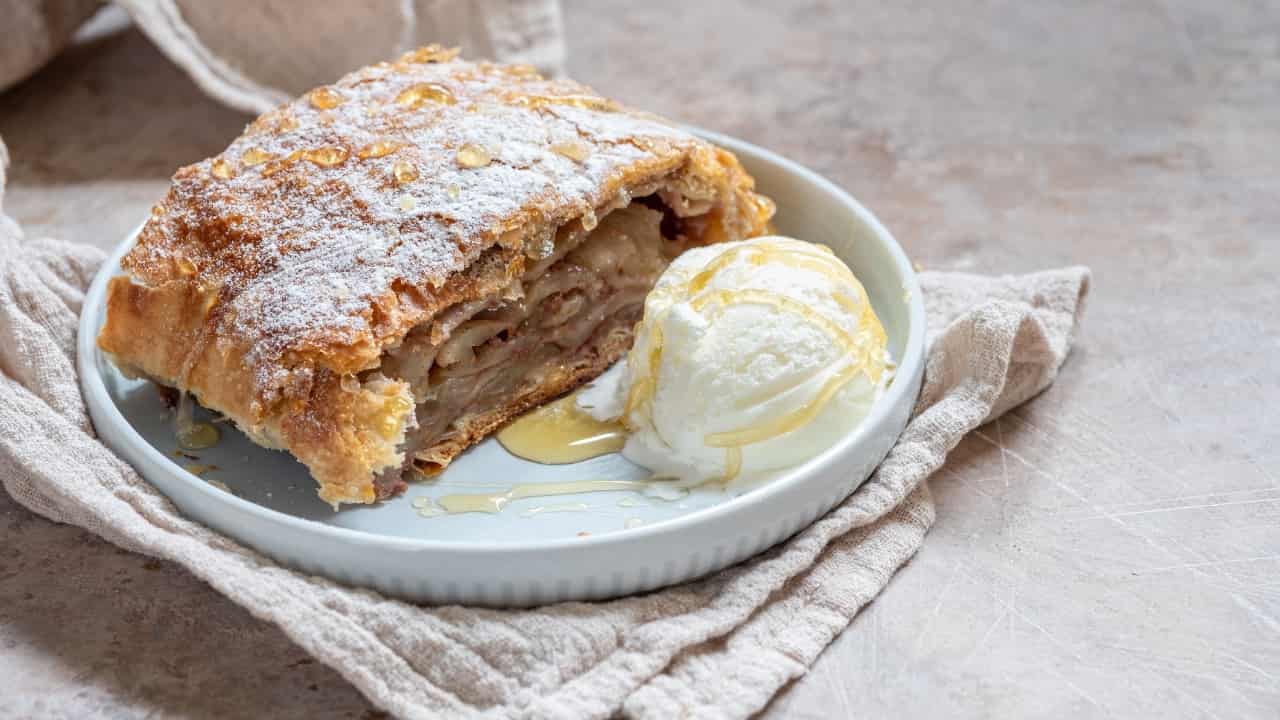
x=719, y=647
x=256, y=54
x=35, y=31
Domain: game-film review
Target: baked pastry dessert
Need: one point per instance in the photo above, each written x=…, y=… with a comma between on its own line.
x=386, y=269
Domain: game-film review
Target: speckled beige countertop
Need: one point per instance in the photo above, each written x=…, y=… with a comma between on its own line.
x=1111, y=549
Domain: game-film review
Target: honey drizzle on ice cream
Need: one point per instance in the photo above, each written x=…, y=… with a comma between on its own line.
x=560, y=432
x=863, y=352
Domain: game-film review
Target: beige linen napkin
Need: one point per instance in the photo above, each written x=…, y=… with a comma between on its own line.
x=33, y=31
x=716, y=648
x=256, y=54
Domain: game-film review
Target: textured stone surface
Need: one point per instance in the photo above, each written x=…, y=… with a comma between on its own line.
x=1109, y=550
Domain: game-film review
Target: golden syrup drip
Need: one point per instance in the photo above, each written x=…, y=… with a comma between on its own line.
x=255, y=156
x=494, y=502
x=415, y=96
x=185, y=266
x=430, y=54
x=404, y=172
x=575, y=150
x=762, y=253
x=407, y=203
x=559, y=432
x=157, y=210
x=327, y=156
x=198, y=436
x=563, y=507
x=325, y=98
x=787, y=422
x=766, y=210
x=765, y=394
x=192, y=435
x=725, y=298
x=389, y=427
x=700, y=281
x=586, y=102
x=646, y=383
x=287, y=122
x=862, y=361
x=473, y=156
x=394, y=412
x=732, y=462
x=283, y=163
x=377, y=149
x=827, y=265
x=221, y=169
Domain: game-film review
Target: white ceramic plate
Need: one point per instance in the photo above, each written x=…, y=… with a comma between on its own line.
x=532, y=552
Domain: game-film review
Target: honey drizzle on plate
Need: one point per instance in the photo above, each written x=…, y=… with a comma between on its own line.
x=494, y=502
x=559, y=433
x=192, y=435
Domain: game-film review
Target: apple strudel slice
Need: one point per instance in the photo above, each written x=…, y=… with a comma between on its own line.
x=383, y=271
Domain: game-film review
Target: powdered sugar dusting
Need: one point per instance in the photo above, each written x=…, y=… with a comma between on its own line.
x=312, y=238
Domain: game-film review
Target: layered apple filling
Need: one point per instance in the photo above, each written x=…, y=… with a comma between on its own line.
x=570, y=311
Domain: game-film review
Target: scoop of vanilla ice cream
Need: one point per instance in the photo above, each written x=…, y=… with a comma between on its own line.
x=752, y=357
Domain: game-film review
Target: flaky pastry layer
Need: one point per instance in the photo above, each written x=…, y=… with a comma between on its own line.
x=274, y=278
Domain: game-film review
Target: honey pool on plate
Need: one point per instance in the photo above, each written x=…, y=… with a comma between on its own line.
x=556, y=433
x=559, y=433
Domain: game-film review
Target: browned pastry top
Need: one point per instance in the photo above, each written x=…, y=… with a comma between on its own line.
x=422, y=163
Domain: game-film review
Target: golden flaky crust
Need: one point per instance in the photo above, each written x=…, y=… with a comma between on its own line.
x=272, y=275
